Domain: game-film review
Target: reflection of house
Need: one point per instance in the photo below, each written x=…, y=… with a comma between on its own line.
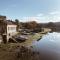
x=8, y=27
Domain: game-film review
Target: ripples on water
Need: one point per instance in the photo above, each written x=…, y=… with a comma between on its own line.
x=48, y=46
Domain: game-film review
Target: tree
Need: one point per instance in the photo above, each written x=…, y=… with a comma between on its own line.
x=17, y=23
x=30, y=25
x=3, y=30
x=52, y=26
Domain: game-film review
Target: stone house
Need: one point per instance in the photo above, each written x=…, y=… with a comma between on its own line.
x=7, y=27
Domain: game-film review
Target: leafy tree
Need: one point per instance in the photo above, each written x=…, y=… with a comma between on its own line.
x=31, y=25
x=51, y=25
x=17, y=23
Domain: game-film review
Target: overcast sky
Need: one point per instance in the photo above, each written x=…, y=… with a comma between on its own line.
x=27, y=10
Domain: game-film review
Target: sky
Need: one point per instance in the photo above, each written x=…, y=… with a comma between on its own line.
x=29, y=10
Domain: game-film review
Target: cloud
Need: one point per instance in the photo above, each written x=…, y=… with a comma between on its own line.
x=54, y=13
x=40, y=14
x=50, y=17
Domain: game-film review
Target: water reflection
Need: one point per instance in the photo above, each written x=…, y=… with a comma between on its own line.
x=48, y=46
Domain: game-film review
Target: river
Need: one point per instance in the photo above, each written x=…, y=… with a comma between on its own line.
x=48, y=46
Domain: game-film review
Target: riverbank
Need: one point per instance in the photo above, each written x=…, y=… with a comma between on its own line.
x=9, y=52
x=12, y=51
x=35, y=37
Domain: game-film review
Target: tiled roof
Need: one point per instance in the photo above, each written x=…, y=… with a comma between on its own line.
x=4, y=21
x=9, y=22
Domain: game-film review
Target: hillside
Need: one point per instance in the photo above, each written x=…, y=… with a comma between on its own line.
x=55, y=26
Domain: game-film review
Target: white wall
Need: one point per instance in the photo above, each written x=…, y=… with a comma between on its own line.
x=11, y=29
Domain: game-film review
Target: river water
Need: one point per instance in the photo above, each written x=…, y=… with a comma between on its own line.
x=48, y=46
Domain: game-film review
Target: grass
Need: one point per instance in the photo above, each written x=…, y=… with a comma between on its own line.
x=5, y=52
x=15, y=52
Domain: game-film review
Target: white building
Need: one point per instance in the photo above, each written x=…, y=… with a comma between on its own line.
x=11, y=29
x=7, y=28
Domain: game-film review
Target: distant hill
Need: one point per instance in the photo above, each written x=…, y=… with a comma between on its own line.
x=55, y=26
